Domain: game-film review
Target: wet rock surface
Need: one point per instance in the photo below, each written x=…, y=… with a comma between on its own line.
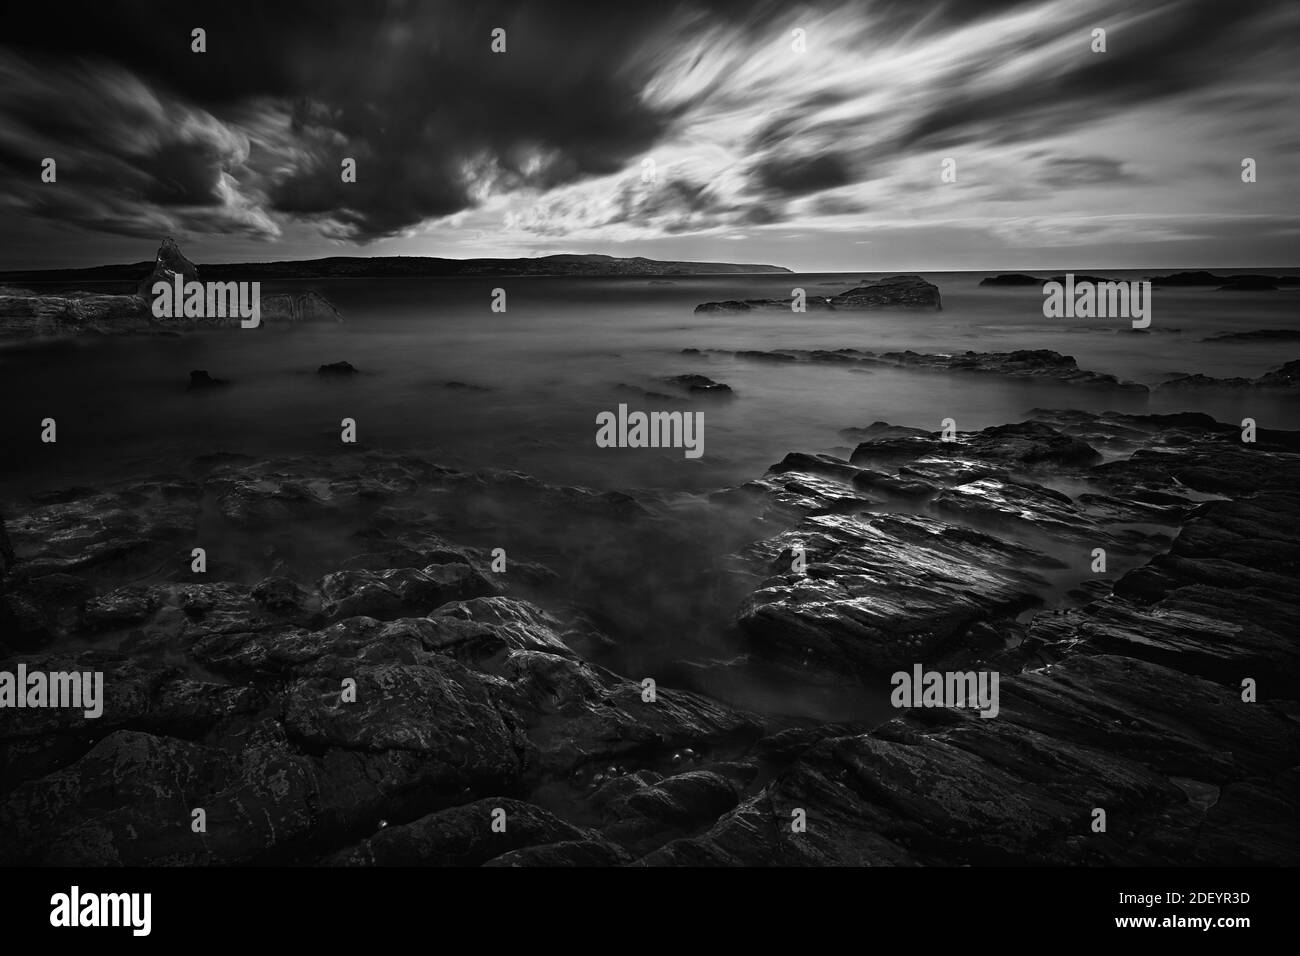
x=353, y=679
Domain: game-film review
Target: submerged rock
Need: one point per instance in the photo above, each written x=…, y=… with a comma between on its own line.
x=700, y=385
x=1023, y=363
x=294, y=307
x=200, y=379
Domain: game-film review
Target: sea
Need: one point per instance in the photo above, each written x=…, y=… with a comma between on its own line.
x=442, y=374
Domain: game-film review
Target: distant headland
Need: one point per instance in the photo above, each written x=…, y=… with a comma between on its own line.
x=379, y=267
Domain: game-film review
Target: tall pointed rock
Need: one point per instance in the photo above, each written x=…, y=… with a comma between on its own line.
x=169, y=263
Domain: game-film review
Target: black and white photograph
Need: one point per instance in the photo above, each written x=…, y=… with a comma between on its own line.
x=661, y=435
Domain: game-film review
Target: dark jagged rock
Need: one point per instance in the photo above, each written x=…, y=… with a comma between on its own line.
x=880, y=431
x=200, y=379
x=1131, y=701
x=169, y=263
x=1096, y=731
x=730, y=305
x=389, y=730
x=482, y=698
x=878, y=591
x=649, y=816
x=1284, y=377
x=1023, y=363
x=400, y=592
x=463, y=836
x=457, y=697
x=909, y=292
x=700, y=385
x=1029, y=443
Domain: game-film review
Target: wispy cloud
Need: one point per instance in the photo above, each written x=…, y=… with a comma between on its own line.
x=746, y=136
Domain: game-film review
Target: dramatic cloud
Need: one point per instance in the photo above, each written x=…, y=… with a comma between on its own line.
x=607, y=124
x=129, y=159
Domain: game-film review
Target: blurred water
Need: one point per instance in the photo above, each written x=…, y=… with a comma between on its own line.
x=553, y=361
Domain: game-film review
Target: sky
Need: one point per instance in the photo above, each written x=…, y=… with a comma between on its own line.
x=812, y=136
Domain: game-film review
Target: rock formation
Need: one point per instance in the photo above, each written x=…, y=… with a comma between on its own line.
x=169, y=263
x=903, y=292
x=24, y=312
x=1124, y=693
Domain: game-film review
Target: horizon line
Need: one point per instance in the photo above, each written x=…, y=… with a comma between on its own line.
x=774, y=270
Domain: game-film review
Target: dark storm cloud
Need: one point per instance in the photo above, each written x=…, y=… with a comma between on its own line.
x=128, y=161
x=411, y=91
x=248, y=137
x=802, y=175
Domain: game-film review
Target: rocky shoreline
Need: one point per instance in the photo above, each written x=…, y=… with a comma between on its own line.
x=477, y=690
x=24, y=312
x=1023, y=363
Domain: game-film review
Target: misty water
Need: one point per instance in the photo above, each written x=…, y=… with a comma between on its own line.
x=556, y=357
x=538, y=375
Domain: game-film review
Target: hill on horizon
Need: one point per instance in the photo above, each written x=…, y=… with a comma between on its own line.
x=564, y=264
